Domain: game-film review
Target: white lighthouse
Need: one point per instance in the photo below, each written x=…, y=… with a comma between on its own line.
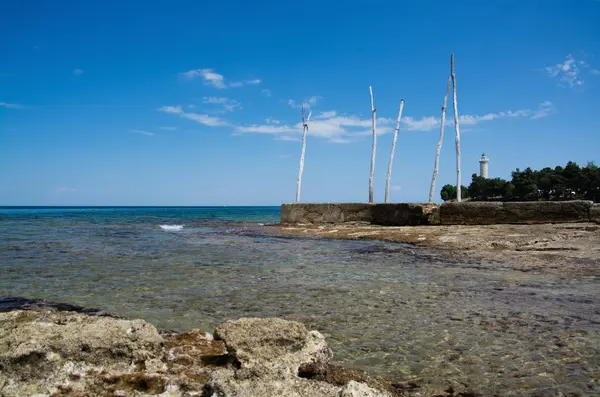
x=483, y=166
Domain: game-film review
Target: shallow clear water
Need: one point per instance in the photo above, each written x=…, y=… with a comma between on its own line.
x=387, y=308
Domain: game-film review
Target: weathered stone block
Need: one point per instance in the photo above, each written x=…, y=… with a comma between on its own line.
x=326, y=213
x=595, y=213
x=403, y=214
x=534, y=212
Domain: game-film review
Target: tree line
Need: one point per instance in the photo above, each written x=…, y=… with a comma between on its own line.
x=570, y=182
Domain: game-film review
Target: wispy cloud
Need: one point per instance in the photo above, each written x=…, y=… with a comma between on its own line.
x=344, y=128
x=227, y=104
x=288, y=138
x=310, y=102
x=423, y=124
x=544, y=109
x=210, y=77
x=214, y=79
x=77, y=72
x=339, y=140
x=336, y=129
x=267, y=129
x=168, y=128
x=327, y=115
x=570, y=72
x=396, y=188
x=209, y=121
x=267, y=92
x=10, y=105
x=171, y=109
x=142, y=132
x=429, y=123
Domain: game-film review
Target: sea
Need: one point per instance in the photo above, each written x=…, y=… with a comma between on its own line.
x=391, y=309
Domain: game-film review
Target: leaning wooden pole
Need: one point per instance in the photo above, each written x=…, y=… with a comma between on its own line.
x=439, y=145
x=389, y=173
x=301, y=169
x=374, y=146
x=457, y=129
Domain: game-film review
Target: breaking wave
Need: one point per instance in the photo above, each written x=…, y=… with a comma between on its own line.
x=171, y=227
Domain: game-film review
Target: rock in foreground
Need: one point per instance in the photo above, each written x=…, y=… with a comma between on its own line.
x=60, y=354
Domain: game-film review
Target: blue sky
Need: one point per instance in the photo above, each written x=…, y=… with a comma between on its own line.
x=197, y=103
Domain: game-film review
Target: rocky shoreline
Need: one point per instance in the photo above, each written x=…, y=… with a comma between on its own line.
x=52, y=353
x=570, y=248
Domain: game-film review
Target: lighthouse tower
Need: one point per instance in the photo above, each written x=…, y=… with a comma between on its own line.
x=483, y=166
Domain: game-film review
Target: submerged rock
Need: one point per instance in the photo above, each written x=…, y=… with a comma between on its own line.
x=45, y=352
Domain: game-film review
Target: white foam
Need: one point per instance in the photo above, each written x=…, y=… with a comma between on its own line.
x=171, y=227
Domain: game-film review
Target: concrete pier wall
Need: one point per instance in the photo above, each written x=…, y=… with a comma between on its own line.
x=465, y=213
x=531, y=212
x=400, y=214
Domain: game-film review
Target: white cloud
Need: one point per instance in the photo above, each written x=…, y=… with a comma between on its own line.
x=336, y=129
x=142, y=132
x=288, y=138
x=312, y=101
x=204, y=119
x=568, y=72
x=77, y=72
x=595, y=71
x=268, y=129
x=168, y=128
x=171, y=109
x=543, y=110
x=327, y=115
x=10, y=105
x=217, y=80
x=429, y=123
x=66, y=190
x=210, y=77
x=339, y=140
x=396, y=188
x=267, y=91
x=270, y=120
x=422, y=124
x=228, y=105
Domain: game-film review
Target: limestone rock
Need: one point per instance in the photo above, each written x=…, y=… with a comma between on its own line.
x=357, y=389
x=40, y=352
x=273, y=344
x=45, y=352
x=228, y=383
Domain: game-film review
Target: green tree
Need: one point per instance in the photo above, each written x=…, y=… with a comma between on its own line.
x=486, y=189
x=448, y=192
x=525, y=184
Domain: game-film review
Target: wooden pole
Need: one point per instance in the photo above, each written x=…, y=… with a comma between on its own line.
x=301, y=169
x=373, y=148
x=457, y=129
x=439, y=145
x=389, y=173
